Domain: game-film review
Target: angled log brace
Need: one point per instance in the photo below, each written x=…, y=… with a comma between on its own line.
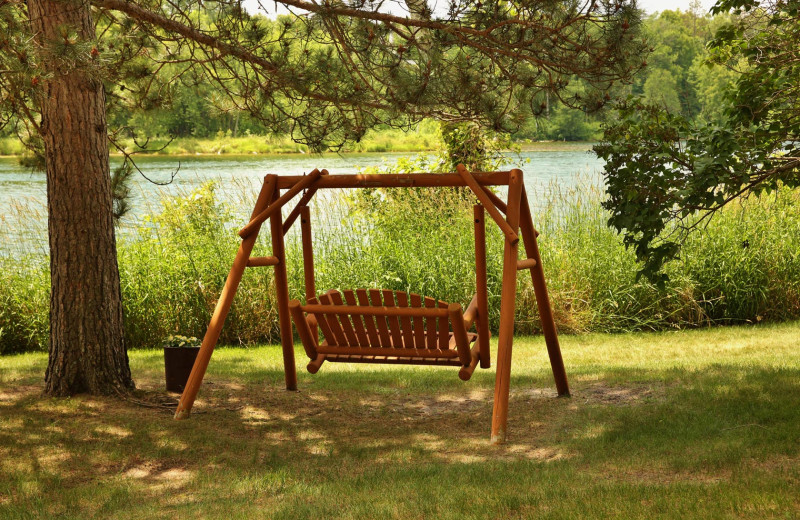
x=301, y=204
x=479, y=192
x=277, y=204
x=223, y=305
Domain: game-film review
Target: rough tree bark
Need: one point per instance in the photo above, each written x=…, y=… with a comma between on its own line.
x=87, y=351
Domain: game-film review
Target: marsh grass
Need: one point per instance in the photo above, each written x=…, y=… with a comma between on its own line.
x=11, y=146
x=742, y=268
x=388, y=140
x=683, y=424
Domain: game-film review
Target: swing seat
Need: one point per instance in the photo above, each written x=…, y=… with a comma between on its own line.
x=385, y=326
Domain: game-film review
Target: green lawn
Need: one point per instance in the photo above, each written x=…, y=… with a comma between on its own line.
x=699, y=424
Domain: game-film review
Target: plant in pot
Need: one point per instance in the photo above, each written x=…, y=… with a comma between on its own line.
x=179, y=355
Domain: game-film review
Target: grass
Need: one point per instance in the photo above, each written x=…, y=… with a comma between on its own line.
x=697, y=424
x=377, y=141
x=422, y=138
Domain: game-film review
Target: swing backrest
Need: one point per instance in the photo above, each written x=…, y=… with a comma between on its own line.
x=385, y=323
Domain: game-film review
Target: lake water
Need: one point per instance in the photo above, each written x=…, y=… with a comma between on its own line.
x=238, y=177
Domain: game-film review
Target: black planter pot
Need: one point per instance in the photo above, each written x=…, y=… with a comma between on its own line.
x=178, y=363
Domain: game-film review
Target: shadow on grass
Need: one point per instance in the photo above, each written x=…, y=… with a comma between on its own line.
x=360, y=436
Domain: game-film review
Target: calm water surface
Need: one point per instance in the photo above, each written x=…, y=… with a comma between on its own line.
x=238, y=175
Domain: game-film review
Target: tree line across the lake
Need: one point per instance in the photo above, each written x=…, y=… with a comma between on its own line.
x=676, y=76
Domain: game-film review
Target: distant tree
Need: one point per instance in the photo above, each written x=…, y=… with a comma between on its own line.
x=326, y=75
x=569, y=124
x=677, y=39
x=677, y=77
x=667, y=175
x=661, y=89
x=711, y=82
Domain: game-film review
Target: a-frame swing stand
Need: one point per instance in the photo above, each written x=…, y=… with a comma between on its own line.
x=386, y=326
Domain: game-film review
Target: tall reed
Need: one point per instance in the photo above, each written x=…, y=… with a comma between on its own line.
x=743, y=267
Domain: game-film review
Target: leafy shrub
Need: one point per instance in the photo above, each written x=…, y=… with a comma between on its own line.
x=174, y=270
x=24, y=304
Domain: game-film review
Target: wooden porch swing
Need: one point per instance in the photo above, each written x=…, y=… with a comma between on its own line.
x=384, y=326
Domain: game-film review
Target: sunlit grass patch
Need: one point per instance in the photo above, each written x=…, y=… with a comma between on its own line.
x=698, y=424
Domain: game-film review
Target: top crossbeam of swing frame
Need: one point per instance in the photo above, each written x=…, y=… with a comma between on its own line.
x=319, y=179
x=397, y=180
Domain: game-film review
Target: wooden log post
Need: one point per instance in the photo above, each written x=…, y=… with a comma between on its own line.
x=528, y=233
x=508, y=296
x=223, y=305
x=308, y=258
x=282, y=294
x=481, y=287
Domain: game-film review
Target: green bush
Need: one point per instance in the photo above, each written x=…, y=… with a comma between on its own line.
x=24, y=304
x=174, y=269
x=11, y=146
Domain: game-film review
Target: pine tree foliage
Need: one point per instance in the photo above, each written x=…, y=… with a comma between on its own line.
x=121, y=189
x=330, y=71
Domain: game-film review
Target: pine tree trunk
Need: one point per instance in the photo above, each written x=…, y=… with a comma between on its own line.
x=87, y=351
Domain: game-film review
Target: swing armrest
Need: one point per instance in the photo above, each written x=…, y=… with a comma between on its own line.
x=459, y=333
x=303, y=329
x=311, y=320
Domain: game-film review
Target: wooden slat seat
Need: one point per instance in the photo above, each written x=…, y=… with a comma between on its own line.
x=384, y=326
